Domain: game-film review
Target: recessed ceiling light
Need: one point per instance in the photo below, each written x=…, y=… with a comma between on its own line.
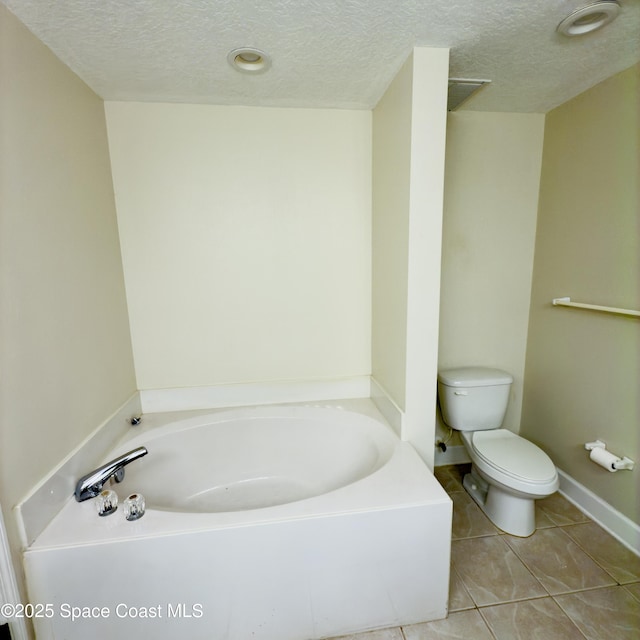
x=249, y=60
x=589, y=18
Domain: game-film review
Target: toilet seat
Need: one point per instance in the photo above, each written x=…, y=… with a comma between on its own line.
x=512, y=461
x=513, y=455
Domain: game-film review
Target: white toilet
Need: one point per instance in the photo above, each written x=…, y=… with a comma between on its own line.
x=509, y=473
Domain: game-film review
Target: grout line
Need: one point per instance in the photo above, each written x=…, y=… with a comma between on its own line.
x=486, y=623
x=573, y=622
x=497, y=604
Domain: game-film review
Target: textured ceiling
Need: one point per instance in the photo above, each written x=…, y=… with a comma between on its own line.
x=328, y=53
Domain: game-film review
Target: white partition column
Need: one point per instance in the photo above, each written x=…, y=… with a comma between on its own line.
x=409, y=132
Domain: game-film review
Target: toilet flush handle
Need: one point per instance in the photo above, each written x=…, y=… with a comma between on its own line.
x=460, y=393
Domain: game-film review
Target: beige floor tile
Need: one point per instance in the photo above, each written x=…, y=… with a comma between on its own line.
x=560, y=511
x=634, y=590
x=558, y=562
x=459, y=598
x=491, y=571
x=450, y=477
x=603, y=613
x=540, y=619
x=542, y=519
x=468, y=519
x=610, y=554
x=392, y=633
x=464, y=625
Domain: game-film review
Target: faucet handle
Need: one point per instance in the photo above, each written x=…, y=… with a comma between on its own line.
x=106, y=502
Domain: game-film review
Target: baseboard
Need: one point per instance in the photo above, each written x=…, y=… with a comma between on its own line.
x=255, y=393
x=616, y=523
x=43, y=502
x=456, y=454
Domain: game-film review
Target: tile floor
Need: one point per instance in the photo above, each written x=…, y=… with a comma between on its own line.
x=569, y=580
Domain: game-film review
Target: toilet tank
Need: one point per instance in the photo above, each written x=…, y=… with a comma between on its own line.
x=473, y=398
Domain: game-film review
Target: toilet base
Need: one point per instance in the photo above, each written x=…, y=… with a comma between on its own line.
x=512, y=514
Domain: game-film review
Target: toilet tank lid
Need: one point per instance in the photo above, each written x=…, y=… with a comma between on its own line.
x=474, y=377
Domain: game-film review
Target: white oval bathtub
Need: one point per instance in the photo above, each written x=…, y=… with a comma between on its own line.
x=272, y=523
x=244, y=459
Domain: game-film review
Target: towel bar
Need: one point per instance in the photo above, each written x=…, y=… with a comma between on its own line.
x=566, y=302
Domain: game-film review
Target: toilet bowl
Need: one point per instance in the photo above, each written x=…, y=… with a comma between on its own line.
x=508, y=472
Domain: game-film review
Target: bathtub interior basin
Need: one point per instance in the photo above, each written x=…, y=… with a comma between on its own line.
x=230, y=462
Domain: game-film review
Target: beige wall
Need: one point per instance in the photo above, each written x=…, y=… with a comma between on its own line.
x=582, y=373
x=492, y=178
x=64, y=334
x=246, y=241
x=390, y=237
x=408, y=159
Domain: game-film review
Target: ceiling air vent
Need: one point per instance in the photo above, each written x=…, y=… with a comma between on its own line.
x=461, y=89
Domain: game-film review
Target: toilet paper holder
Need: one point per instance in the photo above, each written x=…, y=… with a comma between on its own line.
x=619, y=463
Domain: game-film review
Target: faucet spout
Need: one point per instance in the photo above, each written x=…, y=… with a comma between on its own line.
x=90, y=485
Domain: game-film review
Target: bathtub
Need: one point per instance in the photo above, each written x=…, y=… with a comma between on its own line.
x=273, y=523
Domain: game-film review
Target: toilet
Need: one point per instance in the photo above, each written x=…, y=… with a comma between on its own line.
x=508, y=473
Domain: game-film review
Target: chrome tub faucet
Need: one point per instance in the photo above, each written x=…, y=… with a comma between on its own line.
x=90, y=486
